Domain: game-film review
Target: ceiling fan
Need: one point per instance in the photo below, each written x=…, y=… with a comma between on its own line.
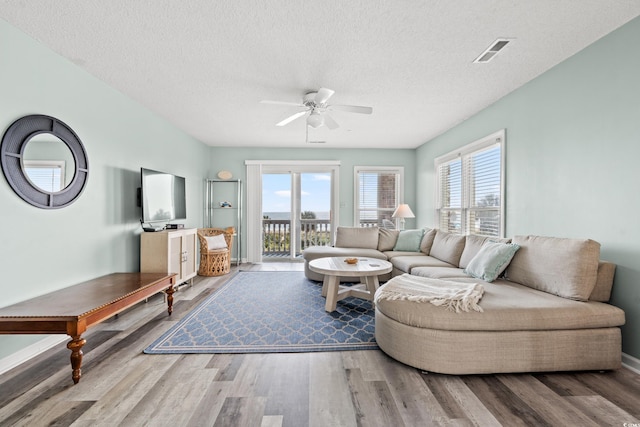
x=315, y=103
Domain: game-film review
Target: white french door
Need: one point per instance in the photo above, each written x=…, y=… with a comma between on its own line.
x=294, y=206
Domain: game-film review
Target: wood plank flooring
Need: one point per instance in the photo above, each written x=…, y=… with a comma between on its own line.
x=122, y=386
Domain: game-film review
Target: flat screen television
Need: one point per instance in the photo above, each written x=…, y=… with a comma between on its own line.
x=163, y=197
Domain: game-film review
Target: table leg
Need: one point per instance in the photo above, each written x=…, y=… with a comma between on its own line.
x=372, y=284
x=169, y=293
x=75, y=345
x=332, y=293
x=325, y=284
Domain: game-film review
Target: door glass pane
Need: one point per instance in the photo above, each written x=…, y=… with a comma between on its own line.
x=276, y=214
x=307, y=203
x=315, y=210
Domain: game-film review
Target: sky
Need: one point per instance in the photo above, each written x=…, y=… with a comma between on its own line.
x=316, y=192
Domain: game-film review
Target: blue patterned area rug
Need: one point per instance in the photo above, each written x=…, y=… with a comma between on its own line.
x=270, y=312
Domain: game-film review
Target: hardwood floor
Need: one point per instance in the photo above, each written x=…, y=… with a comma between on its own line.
x=122, y=386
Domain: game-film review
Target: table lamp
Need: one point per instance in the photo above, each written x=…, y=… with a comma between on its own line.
x=403, y=211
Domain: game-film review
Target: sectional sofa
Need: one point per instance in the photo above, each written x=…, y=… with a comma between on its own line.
x=546, y=311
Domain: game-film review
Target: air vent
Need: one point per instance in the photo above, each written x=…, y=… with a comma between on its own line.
x=492, y=51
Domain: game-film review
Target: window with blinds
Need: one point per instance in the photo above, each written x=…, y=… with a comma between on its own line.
x=377, y=194
x=470, y=184
x=46, y=175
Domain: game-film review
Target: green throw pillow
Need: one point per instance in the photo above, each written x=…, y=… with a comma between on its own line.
x=491, y=260
x=409, y=240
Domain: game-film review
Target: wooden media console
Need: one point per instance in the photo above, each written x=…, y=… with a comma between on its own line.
x=74, y=309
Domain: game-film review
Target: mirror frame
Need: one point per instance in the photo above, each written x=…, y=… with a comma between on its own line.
x=12, y=149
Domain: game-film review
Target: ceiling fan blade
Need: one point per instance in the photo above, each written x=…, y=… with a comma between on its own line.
x=323, y=95
x=291, y=118
x=330, y=123
x=352, y=108
x=291, y=104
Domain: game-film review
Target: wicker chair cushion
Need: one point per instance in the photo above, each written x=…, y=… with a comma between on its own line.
x=216, y=242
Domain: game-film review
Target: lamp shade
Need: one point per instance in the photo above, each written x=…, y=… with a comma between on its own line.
x=403, y=211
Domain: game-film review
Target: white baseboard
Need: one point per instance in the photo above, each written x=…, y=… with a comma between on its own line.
x=631, y=363
x=30, y=351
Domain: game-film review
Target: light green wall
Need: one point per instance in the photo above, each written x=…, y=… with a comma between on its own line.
x=572, y=150
x=44, y=250
x=232, y=159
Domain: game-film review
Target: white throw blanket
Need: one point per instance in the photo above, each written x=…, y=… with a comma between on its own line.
x=452, y=295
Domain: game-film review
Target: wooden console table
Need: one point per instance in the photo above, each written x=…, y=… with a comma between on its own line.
x=74, y=309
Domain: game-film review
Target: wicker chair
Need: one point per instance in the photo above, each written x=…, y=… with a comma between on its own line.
x=215, y=262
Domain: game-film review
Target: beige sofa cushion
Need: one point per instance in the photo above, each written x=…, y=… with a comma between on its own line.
x=439, y=272
x=563, y=267
x=315, y=252
x=387, y=239
x=507, y=307
x=408, y=263
x=393, y=254
x=357, y=237
x=447, y=247
x=427, y=240
x=602, y=291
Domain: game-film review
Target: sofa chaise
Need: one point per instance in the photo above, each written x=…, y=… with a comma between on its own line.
x=547, y=310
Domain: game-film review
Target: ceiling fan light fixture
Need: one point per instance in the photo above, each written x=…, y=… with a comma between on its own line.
x=315, y=119
x=316, y=107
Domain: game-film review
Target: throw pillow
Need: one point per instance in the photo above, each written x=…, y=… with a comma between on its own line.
x=216, y=242
x=387, y=239
x=472, y=246
x=491, y=260
x=409, y=240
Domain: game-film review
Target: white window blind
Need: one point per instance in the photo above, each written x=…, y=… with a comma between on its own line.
x=470, y=185
x=45, y=174
x=450, y=192
x=377, y=194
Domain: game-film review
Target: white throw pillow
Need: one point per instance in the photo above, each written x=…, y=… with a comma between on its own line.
x=216, y=242
x=491, y=260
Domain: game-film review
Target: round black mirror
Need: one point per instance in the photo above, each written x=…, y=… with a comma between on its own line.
x=44, y=161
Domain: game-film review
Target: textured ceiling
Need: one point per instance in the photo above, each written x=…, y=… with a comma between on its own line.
x=204, y=65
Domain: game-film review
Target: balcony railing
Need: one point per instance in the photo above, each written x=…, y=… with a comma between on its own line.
x=276, y=235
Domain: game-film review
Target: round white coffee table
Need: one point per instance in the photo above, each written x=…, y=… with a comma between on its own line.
x=368, y=269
